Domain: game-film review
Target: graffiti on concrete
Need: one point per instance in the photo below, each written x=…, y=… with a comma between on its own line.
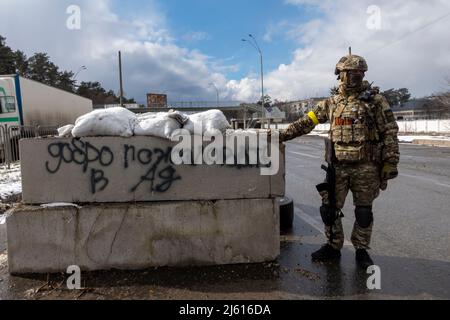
x=97, y=177
x=79, y=152
x=160, y=173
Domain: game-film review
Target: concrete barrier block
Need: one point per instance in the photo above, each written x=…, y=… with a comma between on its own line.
x=115, y=169
x=141, y=235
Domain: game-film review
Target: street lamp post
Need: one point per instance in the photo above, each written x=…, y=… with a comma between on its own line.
x=255, y=45
x=217, y=92
x=120, y=80
x=79, y=70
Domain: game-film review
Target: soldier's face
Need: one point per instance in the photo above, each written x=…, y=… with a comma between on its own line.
x=352, y=79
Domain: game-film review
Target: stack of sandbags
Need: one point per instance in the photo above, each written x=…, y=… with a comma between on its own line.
x=121, y=122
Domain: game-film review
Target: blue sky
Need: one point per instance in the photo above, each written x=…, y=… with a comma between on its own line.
x=179, y=47
x=217, y=27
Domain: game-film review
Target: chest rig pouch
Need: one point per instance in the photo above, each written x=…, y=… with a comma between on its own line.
x=353, y=131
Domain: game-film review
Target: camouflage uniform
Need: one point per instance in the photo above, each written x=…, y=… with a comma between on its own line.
x=364, y=135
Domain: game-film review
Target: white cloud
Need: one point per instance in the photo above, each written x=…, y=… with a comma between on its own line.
x=408, y=51
x=246, y=89
x=152, y=62
x=306, y=33
x=274, y=29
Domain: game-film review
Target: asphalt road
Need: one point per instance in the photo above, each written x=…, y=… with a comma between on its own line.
x=411, y=245
x=411, y=237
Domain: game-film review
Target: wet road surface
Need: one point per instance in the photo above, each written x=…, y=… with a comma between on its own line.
x=411, y=245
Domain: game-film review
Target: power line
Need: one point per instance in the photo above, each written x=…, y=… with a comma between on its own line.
x=411, y=33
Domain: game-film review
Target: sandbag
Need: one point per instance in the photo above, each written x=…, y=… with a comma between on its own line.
x=161, y=124
x=65, y=131
x=116, y=121
x=209, y=120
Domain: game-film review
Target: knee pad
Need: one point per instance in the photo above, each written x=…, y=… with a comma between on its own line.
x=364, y=216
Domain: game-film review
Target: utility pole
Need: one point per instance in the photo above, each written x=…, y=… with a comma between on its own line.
x=255, y=45
x=217, y=92
x=120, y=79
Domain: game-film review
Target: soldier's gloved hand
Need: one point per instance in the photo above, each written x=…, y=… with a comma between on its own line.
x=389, y=171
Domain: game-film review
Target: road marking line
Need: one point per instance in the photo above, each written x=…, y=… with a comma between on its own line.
x=313, y=222
x=426, y=179
x=304, y=154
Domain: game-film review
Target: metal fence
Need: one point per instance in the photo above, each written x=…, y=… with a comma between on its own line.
x=441, y=126
x=10, y=136
x=203, y=104
x=433, y=127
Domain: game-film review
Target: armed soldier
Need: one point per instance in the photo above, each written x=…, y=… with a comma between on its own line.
x=362, y=153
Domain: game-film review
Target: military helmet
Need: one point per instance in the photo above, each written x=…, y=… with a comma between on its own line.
x=351, y=62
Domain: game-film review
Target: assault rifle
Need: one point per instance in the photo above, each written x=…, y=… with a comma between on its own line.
x=328, y=211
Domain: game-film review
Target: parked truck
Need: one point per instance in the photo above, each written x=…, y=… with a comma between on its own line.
x=30, y=103
x=29, y=108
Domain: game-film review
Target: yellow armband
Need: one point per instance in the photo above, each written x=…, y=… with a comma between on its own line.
x=313, y=117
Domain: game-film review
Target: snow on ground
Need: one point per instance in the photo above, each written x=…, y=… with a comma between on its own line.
x=10, y=181
x=403, y=138
x=10, y=185
x=60, y=204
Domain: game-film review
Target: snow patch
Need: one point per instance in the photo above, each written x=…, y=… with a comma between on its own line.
x=5, y=215
x=3, y=258
x=10, y=181
x=60, y=204
x=409, y=139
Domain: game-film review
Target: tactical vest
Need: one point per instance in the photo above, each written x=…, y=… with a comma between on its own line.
x=354, y=131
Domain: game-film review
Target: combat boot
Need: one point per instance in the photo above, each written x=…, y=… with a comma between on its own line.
x=326, y=253
x=363, y=259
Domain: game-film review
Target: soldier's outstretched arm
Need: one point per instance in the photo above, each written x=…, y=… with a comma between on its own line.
x=388, y=128
x=319, y=114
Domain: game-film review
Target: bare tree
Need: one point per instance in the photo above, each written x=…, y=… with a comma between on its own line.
x=440, y=102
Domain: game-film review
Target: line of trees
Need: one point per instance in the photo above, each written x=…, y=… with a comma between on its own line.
x=40, y=68
x=434, y=106
x=439, y=103
x=397, y=97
